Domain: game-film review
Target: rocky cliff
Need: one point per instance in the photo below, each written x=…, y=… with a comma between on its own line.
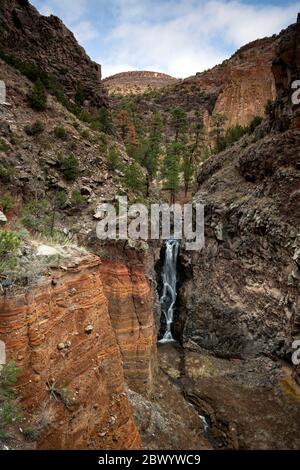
x=137, y=82
x=242, y=84
x=240, y=88
x=72, y=385
x=131, y=312
x=243, y=295
x=47, y=43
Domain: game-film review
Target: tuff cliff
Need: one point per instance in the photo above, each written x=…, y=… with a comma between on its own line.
x=47, y=43
x=72, y=384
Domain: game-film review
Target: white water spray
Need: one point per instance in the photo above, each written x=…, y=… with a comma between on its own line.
x=169, y=294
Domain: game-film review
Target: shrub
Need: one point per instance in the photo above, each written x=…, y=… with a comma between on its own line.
x=38, y=97
x=9, y=242
x=256, y=121
x=3, y=146
x=6, y=202
x=113, y=159
x=60, y=132
x=6, y=173
x=134, y=178
x=70, y=167
x=9, y=408
x=268, y=107
x=78, y=199
x=35, y=129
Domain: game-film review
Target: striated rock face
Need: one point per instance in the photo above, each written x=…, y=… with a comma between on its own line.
x=72, y=382
x=130, y=308
x=137, y=82
x=244, y=83
x=46, y=42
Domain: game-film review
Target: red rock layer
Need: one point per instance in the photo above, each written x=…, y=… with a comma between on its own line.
x=130, y=308
x=72, y=382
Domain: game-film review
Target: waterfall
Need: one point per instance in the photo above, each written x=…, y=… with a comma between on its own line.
x=169, y=294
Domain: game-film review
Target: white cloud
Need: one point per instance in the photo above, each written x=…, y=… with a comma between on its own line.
x=189, y=37
x=69, y=10
x=179, y=37
x=84, y=31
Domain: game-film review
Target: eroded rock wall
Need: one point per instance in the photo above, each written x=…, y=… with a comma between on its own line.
x=72, y=384
x=49, y=44
x=131, y=311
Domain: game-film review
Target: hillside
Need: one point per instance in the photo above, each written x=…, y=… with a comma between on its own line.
x=139, y=82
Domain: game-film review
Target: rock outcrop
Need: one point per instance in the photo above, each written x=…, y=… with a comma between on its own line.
x=286, y=70
x=47, y=43
x=130, y=308
x=137, y=82
x=242, y=84
x=72, y=385
x=242, y=297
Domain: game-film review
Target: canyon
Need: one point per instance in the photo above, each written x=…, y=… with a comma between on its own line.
x=83, y=323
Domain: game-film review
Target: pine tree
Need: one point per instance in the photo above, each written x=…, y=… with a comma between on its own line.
x=134, y=178
x=105, y=120
x=179, y=122
x=170, y=170
x=217, y=132
x=188, y=171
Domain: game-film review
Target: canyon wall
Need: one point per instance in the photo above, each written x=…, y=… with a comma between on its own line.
x=242, y=84
x=241, y=292
x=130, y=308
x=49, y=44
x=60, y=335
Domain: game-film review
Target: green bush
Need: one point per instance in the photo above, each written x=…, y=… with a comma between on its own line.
x=60, y=132
x=78, y=199
x=38, y=97
x=70, y=167
x=6, y=202
x=35, y=129
x=113, y=159
x=3, y=146
x=9, y=242
x=134, y=178
x=9, y=408
x=6, y=173
x=256, y=121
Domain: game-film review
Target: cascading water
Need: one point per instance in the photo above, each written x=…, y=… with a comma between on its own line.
x=169, y=293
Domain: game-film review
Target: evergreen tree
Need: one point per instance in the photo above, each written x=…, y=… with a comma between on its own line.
x=217, y=132
x=179, y=122
x=134, y=178
x=105, y=120
x=170, y=170
x=188, y=171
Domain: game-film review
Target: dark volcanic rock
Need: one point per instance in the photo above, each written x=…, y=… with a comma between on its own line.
x=46, y=42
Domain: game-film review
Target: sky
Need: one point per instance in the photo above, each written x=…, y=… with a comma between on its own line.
x=177, y=37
